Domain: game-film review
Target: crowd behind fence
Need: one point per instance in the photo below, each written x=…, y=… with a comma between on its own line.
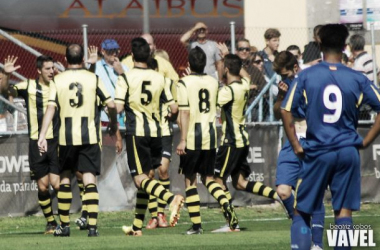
x=54, y=43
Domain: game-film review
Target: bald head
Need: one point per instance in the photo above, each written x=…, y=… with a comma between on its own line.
x=74, y=54
x=149, y=39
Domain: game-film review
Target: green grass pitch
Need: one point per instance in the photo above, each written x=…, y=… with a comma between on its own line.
x=263, y=227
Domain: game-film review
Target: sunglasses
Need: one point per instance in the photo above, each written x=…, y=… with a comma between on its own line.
x=201, y=30
x=243, y=48
x=111, y=52
x=258, y=61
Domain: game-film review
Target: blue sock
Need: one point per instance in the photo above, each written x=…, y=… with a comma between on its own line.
x=343, y=221
x=289, y=203
x=300, y=233
x=317, y=226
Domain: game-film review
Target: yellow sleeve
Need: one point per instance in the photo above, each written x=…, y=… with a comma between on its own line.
x=102, y=93
x=225, y=95
x=52, y=94
x=121, y=89
x=183, y=99
x=128, y=62
x=166, y=68
x=168, y=97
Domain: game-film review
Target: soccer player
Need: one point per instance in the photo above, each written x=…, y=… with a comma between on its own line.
x=333, y=93
x=232, y=154
x=288, y=164
x=157, y=206
x=138, y=92
x=197, y=97
x=44, y=169
x=75, y=92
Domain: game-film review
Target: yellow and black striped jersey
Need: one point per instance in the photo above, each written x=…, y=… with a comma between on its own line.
x=36, y=97
x=198, y=94
x=75, y=93
x=140, y=90
x=164, y=67
x=233, y=101
x=167, y=125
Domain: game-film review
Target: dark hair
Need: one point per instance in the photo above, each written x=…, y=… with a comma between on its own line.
x=140, y=49
x=294, y=47
x=233, y=63
x=316, y=29
x=197, y=60
x=241, y=40
x=152, y=63
x=333, y=37
x=252, y=56
x=357, y=42
x=74, y=54
x=284, y=59
x=42, y=59
x=271, y=33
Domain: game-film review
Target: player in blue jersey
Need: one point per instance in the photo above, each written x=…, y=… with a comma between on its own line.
x=332, y=94
x=288, y=164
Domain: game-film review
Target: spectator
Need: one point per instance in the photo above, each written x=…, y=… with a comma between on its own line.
x=214, y=65
x=108, y=69
x=312, y=52
x=272, y=40
x=362, y=60
x=3, y=119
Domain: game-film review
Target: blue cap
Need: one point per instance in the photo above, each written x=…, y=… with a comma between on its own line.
x=110, y=44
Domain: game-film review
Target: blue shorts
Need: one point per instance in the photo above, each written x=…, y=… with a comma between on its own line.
x=338, y=168
x=288, y=166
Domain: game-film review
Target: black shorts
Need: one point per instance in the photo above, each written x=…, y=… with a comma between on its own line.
x=232, y=161
x=144, y=153
x=167, y=147
x=197, y=161
x=82, y=158
x=41, y=165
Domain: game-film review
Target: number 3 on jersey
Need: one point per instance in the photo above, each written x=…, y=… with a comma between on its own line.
x=145, y=91
x=332, y=99
x=204, y=101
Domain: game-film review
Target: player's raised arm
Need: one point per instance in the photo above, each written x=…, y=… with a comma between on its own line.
x=9, y=68
x=48, y=117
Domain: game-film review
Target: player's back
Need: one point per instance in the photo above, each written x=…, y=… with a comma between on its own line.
x=333, y=93
x=142, y=104
x=77, y=104
x=200, y=97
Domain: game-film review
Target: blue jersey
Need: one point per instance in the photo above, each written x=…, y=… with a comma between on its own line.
x=332, y=94
x=299, y=112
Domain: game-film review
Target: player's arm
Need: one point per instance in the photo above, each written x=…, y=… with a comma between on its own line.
x=185, y=118
x=92, y=57
x=282, y=90
x=120, y=92
x=9, y=68
x=373, y=132
x=48, y=117
x=224, y=96
x=291, y=101
x=371, y=96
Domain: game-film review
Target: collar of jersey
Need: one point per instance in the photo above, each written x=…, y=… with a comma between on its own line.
x=198, y=74
x=139, y=68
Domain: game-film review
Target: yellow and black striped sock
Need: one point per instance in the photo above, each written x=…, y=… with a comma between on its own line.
x=92, y=201
x=81, y=193
x=141, y=205
x=152, y=206
x=217, y=192
x=45, y=203
x=64, y=202
x=193, y=205
x=260, y=189
x=228, y=195
x=161, y=203
x=154, y=188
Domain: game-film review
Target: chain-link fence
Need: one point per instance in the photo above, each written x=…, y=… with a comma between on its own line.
x=54, y=43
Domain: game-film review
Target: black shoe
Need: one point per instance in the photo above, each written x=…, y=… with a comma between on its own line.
x=192, y=231
x=62, y=231
x=93, y=232
x=229, y=213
